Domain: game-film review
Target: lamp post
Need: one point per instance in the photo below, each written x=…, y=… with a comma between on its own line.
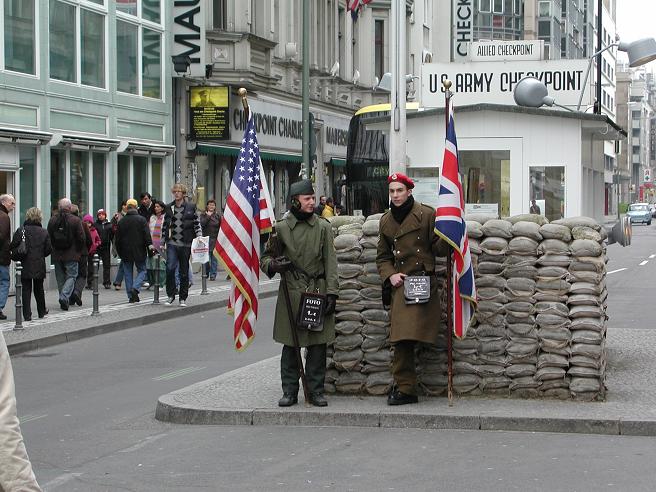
x=305, y=82
x=397, y=139
x=181, y=64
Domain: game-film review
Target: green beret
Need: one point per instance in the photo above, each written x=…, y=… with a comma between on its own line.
x=303, y=187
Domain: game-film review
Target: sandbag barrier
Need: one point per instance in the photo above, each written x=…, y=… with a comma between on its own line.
x=540, y=330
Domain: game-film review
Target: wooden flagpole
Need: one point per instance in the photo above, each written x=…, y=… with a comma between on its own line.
x=449, y=268
x=283, y=280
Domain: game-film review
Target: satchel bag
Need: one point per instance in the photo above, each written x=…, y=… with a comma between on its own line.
x=416, y=289
x=19, y=252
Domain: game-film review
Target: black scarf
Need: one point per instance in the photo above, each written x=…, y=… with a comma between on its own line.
x=401, y=212
x=301, y=215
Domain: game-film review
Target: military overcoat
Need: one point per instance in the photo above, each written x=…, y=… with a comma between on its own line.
x=309, y=245
x=411, y=247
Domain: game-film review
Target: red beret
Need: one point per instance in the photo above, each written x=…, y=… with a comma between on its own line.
x=401, y=178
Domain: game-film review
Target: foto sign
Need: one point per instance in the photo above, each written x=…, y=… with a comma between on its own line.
x=489, y=51
x=189, y=34
x=475, y=83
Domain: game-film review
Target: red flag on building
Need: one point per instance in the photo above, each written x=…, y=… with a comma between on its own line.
x=247, y=215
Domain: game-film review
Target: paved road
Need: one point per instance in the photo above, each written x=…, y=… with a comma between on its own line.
x=87, y=410
x=632, y=280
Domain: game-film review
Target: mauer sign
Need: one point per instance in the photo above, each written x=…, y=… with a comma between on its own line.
x=475, y=83
x=506, y=50
x=189, y=34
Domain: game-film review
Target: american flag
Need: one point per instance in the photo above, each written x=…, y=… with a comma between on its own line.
x=354, y=7
x=450, y=225
x=247, y=214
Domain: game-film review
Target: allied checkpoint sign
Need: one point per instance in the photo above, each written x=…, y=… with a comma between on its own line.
x=485, y=82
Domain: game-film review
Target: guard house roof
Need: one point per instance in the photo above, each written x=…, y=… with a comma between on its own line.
x=599, y=125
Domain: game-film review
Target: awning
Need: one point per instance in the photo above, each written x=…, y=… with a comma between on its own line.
x=337, y=162
x=24, y=137
x=78, y=142
x=228, y=150
x=143, y=148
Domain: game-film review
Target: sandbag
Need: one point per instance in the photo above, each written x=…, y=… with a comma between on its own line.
x=498, y=228
x=527, y=229
x=556, y=231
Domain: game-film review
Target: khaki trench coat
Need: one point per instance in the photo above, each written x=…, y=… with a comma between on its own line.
x=409, y=248
x=309, y=245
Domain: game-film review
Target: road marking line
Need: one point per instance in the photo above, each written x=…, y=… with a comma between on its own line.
x=615, y=271
x=178, y=373
x=652, y=256
x=31, y=418
x=643, y=263
x=143, y=443
x=61, y=480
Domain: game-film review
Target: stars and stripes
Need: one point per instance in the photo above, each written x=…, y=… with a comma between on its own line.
x=247, y=214
x=354, y=7
x=450, y=225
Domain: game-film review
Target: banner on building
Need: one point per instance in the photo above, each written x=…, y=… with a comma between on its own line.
x=462, y=30
x=209, y=110
x=189, y=34
x=481, y=82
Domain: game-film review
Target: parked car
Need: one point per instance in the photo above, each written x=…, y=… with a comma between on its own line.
x=639, y=212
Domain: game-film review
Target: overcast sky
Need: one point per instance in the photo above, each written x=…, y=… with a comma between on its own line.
x=636, y=19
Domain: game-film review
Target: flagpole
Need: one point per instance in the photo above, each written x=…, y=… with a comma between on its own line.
x=449, y=268
x=283, y=279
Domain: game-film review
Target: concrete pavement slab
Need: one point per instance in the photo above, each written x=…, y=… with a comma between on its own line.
x=629, y=409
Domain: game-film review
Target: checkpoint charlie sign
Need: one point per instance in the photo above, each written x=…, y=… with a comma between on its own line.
x=506, y=50
x=480, y=82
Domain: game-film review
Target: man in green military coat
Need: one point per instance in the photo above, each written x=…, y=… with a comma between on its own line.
x=407, y=245
x=304, y=253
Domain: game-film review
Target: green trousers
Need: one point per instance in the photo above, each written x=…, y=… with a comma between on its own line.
x=403, y=367
x=315, y=369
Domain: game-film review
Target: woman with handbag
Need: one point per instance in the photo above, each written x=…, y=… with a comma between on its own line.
x=210, y=221
x=155, y=224
x=30, y=245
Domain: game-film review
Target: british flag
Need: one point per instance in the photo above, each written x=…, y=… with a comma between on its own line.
x=354, y=7
x=248, y=213
x=450, y=225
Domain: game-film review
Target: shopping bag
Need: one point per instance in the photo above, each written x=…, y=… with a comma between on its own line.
x=200, y=250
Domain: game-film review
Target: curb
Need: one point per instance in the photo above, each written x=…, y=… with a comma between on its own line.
x=100, y=329
x=167, y=412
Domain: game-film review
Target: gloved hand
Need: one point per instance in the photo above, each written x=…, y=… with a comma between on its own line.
x=279, y=265
x=331, y=302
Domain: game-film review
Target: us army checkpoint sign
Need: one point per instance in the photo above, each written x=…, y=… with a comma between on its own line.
x=486, y=82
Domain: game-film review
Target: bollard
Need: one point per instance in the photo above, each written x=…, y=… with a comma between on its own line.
x=96, y=265
x=203, y=291
x=158, y=260
x=19, y=297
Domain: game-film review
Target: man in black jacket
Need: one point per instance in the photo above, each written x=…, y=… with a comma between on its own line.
x=147, y=207
x=181, y=226
x=133, y=244
x=104, y=228
x=7, y=204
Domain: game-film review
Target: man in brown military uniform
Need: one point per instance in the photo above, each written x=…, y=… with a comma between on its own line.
x=407, y=246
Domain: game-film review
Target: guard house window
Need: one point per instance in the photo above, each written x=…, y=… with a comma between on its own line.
x=20, y=45
x=487, y=178
x=77, y=42
x=379, y=47
x=139, y=48
x=219, y=14
x=547, y=188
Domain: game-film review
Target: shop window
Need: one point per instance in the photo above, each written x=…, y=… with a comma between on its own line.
x=98, y=163
x=544, y=9
x=486, y=178
x=80, y=180
x=122, y=180
x=20, y=45
x=379, y=46
x=57, y=177
x=77, y=49
x=498, y=6
x=27, y=157
x=126, y=48
x=151, y=80
x=547, y=188
x=140, y=179
x=151, y=10
x=219, y=14
x=156, y=171
x=485, y=5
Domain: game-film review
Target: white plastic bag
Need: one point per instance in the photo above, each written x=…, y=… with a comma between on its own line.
x=200, y=250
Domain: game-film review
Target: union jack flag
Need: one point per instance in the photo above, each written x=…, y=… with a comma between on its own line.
x=450, y=225
x=247, y=214
x=354, y=7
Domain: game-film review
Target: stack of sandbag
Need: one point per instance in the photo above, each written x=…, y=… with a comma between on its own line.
x=587, y=308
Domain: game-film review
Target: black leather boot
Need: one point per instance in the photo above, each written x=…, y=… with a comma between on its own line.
x=287, y=400
x=397, y=397
x=318, y=400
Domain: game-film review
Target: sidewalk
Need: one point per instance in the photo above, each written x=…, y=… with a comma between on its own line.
x=249, y=396
x=115, y=314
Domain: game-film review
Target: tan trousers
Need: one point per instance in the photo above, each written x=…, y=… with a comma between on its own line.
x=16, y=473
x=403, y=367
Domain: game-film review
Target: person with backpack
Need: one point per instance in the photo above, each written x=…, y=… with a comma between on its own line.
x=7, y=204
x=37, y=248
x=67, y=238
x=93, y=249
x=82, y=271
x=104, y=229
x=118, y=280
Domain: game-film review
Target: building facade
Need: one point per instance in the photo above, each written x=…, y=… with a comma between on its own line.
x=85, y=110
